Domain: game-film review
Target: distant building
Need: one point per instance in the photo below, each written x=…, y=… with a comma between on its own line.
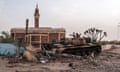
x=37, y=35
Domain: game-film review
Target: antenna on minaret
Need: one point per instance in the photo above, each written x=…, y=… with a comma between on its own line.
x=37, y=6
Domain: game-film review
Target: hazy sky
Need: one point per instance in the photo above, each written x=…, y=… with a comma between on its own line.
x=74, y=15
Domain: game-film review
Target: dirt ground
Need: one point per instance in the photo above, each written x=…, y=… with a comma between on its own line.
x=108, y=61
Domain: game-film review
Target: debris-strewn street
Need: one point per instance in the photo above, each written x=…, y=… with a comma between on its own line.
x=108, y=61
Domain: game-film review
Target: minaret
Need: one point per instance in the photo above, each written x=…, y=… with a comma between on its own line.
x=36, y=17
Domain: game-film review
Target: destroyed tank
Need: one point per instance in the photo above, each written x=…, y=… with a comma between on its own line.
x=75, y=46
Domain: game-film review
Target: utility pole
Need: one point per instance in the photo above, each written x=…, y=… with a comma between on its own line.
x=118, y=31
x=26, y=32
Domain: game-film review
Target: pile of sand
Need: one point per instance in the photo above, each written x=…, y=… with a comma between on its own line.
x=30, y=52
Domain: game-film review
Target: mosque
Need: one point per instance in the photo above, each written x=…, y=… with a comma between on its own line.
x=37, y=35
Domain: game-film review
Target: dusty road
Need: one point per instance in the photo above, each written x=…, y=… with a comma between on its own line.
x=108, y=61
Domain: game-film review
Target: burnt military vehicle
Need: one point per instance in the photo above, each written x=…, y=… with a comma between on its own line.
x=75, y=46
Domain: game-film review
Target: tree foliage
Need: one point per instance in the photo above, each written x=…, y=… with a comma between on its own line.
x=95, y=34
x=76, y=35
x=6, y=38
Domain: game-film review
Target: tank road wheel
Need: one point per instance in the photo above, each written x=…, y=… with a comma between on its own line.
x=96, y=52
x=82, y=53
x=88, y=52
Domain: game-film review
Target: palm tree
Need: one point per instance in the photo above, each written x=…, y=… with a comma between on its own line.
x=95, y=34
x=5, y=34
x=6, y=38
x=76, y=35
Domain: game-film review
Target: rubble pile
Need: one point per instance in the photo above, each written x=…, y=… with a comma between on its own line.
x=42, y=60
x=106, y=62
